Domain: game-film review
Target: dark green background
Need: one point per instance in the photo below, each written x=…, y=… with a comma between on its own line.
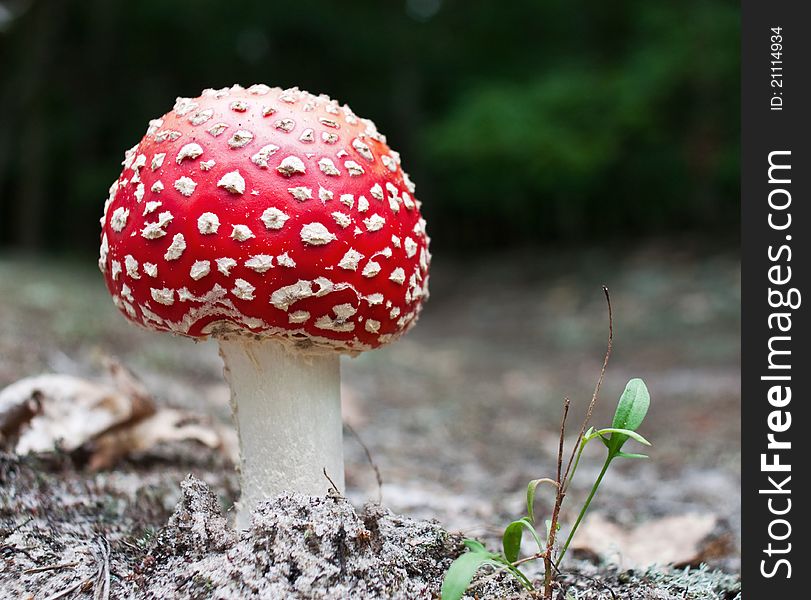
x=521, y=121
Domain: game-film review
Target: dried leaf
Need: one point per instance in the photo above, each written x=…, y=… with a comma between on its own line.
x=99, y=423
x=166, y=425
x=48, y=411
x=678, y=540
x=14, y=416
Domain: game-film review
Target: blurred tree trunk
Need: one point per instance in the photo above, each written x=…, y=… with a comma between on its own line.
x=98, y=57
x=36, y=53
x=8, y=107
x=6, y=132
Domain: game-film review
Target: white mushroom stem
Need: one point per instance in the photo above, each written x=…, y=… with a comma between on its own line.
x=287, y=409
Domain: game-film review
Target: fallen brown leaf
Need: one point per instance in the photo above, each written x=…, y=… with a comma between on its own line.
x=38, y=414
x=166, y=425
x=674, y=540
x=98, y=422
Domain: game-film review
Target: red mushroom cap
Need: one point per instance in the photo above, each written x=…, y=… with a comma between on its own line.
x=267, y=212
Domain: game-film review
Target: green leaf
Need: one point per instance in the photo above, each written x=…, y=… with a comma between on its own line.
x=631, y=455
x=511, y=540
x=474, y=545
x=531, y=528
x=531, y=488
x=461, y=573
x=631, y=410
x=633, y=406
x=631, y=434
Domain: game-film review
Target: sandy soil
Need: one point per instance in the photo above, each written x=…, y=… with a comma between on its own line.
x=458, y=416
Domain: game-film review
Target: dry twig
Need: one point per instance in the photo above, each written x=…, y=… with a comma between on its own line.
x=369, y=458
x=101, y=588
x=69, y=590
x=596, y=393
x=69, y=565
x=332, y=483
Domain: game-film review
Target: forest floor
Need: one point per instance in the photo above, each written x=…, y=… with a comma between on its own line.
x=458, y=416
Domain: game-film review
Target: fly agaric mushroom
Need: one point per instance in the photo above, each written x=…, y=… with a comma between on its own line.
x=280, y=224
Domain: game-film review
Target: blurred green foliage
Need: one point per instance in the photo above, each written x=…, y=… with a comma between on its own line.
x=521, y=121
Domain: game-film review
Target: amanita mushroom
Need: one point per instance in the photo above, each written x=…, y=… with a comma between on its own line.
x=280, y=224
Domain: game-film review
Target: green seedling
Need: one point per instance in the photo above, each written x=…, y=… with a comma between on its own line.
x=631, y=410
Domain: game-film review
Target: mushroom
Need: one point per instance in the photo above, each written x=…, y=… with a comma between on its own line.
x=282, y=225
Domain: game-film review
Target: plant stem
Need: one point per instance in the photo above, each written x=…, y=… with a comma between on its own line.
x=577, y=460
x=516, y=572
x=560, y=494
x=530, y=558
x=583, y=510
x=550, y=545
